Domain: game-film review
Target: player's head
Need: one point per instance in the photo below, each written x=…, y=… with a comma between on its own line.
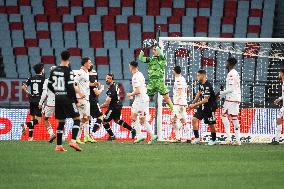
x=39, y=68
x=65, y=55
x=133, y=66
x=154, y=49
x=281, y=73
x=86, y=62
x=231, y=62
x=177, y=70
x=109, y=78
x=201, y=75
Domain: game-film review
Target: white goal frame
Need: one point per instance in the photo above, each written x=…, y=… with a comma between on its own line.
x=206, y=39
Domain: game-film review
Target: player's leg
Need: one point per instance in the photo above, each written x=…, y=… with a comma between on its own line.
x=278, y=130
x=164, y=91
x=210, y=120
x=60, y=116
x=116, y=118
x=226, y=123
x=34, y=120
x=83, y=121
x=48, y=111
x=88, y=137
x=73, y=112
x=195, y=120
x=213, y=135
x=108, y=117
x=137, y=126
x=176, y=126
x=187, y=129
x=96, y=112
x=236, y=124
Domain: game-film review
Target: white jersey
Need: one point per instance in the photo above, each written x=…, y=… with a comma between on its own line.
x=282, y=93
x=233, y=87
x=180, y=83
x=83, y=82
x=47, y=96
x=138, y=80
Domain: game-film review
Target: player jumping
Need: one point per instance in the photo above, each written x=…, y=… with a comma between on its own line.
x=36, y=83
x=179, y=114
x=232, y=102
x=156, y=71
x=47, y=103
x=61, y=83
x=140, y=106
x=114, y=106
x=205, y=101
x=279, y=120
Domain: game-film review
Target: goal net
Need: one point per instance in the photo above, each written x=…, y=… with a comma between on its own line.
x=258, y=62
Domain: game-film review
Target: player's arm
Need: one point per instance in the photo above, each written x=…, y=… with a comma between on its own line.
x=44, y=93
x=195, y=101
x=71, y=86
x=143, y=58
x=50, y=83
x=106, y=103
x=77, y=79
x=278, y=100
x=135, y=92
x=205, y=100
x=99, y=91
x=25, y=86
x=95, y=84
x=160, y=53
x=228, y=90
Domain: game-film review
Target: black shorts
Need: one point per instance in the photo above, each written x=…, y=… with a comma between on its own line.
x=112, y=114
x=95, y=110
x=34, y=109
x=68, y=110
x=208, y=115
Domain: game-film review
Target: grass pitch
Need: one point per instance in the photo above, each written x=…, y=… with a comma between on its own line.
x=125, y=165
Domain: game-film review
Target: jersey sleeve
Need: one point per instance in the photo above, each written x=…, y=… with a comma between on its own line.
x=28, y=82
x=44, y=92
x=70, y=85
x=50, y=82
x=136, y=81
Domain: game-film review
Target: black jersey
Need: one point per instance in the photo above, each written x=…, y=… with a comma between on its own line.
x=113, y=93
x=93, y=77
x=36, y=85
x=61, y=83
x=206, y=90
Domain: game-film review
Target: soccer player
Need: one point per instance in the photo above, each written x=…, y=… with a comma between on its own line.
x=179, y=113
x=156, y=72
x=114, y=106
x=231, y=105
x=83, y=83
x=206, y=104
x=96, y=112
x=47, y=102
x=279, y=120
x=140, y=107
x=61, y=83
x=36, y=84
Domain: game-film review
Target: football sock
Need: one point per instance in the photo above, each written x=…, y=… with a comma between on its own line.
x=97, y=125
x=196, y=134
x=278, y=132
x=59, y=132
x=137, y=127
x=237, y=128
x=108, y=129
x=213, y=136
x=147, y=126
x=226, y=123
x=124, y=124
x=176, y=129
x=75, y=130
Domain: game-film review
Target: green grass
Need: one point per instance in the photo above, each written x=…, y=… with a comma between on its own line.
x=125, y=165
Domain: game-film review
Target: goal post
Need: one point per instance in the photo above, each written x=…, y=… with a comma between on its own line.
x=254, y=56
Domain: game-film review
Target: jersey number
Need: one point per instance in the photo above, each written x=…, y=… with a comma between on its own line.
x=35, y=89
x=59, y=83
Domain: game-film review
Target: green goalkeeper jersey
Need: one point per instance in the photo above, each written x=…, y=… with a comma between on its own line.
x=156, y=64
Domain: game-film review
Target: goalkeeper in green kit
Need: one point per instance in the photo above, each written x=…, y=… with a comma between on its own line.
x=156, y=71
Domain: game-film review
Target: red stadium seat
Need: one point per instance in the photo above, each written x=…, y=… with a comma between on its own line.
x=89, y=10
x=114, y=11
x=207, y=61
x=153, y=8
x=12, y=9
x=101, y=3
x=201, y=24
x=229, y=20
x=96, y=39
x=191, y=4
x=63, y=10
x=178, y=12
x=16, y=26
x=181, y=52
x=102, y=60
x=135, y=19
x=54, y=18
x=76, y=3
x=137, y=52
x=82, y=19
x=148, y=35
x=164, y=27
x=69, y=27
x=174, y=20
x=122, y=32
x=75, y=51
x=227, y=35
x=174, y=34
x=20, y=51
x=31, y=42
x=230, y=8
x=2, y=9
x=253, y=28
x=41, y=18
x=204, y=3
x=42, y=34
x=166, y=3
x=255, y=13
x=127, y=3
x=24, y=3
x=48, y=59
x=108, y=23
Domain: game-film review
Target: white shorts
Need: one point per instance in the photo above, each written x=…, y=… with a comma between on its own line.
x=231, y=108
x=140, y=108
x=84, y=108
x=49, y=110
x=179, y=112
x=281, y=113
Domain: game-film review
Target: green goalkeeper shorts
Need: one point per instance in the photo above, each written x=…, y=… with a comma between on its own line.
x=157, y=85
